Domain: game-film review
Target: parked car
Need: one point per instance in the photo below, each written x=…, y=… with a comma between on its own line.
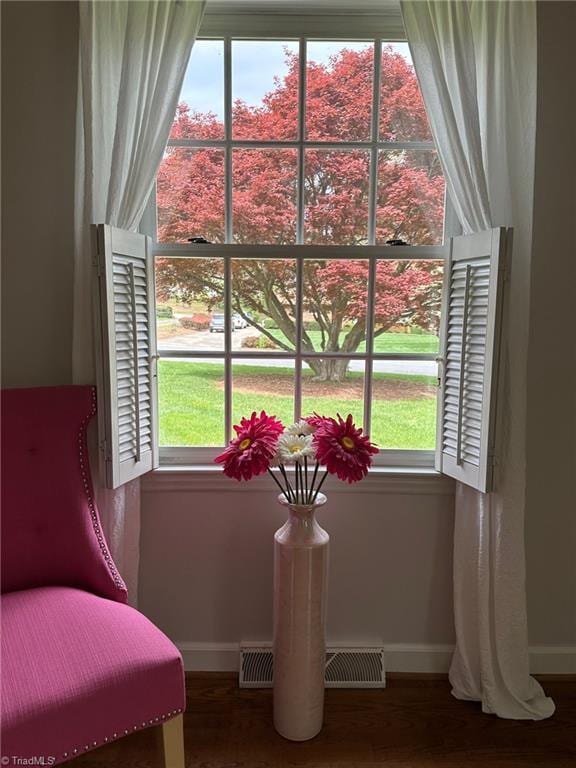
x=238, y=322
x=217, y=324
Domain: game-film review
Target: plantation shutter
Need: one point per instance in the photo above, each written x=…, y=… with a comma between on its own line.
x=469, y=343
x=128, y=393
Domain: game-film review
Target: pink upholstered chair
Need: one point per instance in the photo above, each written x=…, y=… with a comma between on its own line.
x=80, y=668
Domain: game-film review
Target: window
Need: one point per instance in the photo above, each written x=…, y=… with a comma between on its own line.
x=299, y=160
x=472, y=301
x=302, y=158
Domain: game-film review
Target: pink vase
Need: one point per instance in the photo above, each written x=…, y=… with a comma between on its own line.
x=300, y=579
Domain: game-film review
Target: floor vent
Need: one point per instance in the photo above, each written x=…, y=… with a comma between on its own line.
x=345, y=667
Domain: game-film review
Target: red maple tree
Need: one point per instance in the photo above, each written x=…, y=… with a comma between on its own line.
x=410, y=205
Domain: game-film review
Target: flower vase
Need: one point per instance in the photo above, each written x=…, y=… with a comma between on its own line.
x=301, y=548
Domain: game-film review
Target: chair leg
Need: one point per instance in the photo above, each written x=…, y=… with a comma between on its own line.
x=173, y=742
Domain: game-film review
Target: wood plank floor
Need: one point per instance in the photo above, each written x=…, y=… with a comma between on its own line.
x=410, y=724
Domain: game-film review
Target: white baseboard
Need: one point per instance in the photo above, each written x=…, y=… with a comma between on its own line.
x=210, y=657
x=553, y=660
x=223, y=657
x=412, y=657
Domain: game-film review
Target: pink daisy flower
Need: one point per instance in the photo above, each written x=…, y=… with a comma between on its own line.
x=343, y=449
x=315, y=420
x=251, y=451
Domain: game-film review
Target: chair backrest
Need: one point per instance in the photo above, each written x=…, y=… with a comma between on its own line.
x=51, y=532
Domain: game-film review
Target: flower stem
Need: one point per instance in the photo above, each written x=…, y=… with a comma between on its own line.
x=273, y=476
x=313, y=481
x=306, y=476
x=296, y=474
x=320, y=486
x=290, y=495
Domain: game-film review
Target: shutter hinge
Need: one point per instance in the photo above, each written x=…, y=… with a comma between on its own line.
x=440, y=361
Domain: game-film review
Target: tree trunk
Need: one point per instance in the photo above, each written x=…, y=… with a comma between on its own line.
x=328, y=369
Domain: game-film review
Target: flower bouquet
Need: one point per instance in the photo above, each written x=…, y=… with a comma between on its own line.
x=263, y=444
x=316, y=447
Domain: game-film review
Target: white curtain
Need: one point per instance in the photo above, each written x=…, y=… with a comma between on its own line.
x=476, y=64
x=133, y=57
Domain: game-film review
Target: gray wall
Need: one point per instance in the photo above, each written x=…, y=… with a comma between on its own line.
x=39, y=72
x=205, y=569
x=207, y=561
x=551, y=435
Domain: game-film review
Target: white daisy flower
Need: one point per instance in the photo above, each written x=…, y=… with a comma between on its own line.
x=293, y=448
x=300, y=428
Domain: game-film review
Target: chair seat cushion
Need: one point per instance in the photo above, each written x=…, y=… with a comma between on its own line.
x=79, y=671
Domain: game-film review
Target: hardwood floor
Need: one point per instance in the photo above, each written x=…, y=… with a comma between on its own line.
x=410, y=724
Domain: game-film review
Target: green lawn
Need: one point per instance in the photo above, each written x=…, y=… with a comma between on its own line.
x=192, y=402
x=405, y=342
x=385, y=343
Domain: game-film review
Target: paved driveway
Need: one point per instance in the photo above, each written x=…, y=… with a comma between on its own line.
x=204, y=340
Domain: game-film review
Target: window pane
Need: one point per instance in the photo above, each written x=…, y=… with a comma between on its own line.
x=200, y=112
x=404, y=404
x=334, y=305
x=190, y=195
x=263, y=385
x=264, y=304
x=190, y=304
x=336, y=196
x=264, y=89
x=331, y=386
x=410, y=203
x=407, y=306
x=402, y=113
x=339, y=91
x=191, y=402
x=264, y=196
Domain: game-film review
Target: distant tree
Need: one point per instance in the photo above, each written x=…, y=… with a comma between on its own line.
x=410, y=205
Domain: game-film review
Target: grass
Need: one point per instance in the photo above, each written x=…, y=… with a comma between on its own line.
x=386, y=342
x=405, y=342
x=191, y=398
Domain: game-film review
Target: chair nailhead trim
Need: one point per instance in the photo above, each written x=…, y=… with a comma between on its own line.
x=93, y=514
x=106, y=739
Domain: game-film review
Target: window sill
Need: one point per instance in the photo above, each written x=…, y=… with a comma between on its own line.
x=388, y=480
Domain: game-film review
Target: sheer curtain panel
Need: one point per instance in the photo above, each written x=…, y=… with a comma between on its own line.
x=476, y=64
x=133, y=57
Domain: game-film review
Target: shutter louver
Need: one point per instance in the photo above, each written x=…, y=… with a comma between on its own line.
x=471, y=318
x=129, y=381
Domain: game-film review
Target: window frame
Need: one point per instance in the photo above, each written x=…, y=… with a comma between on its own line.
x=347, y=31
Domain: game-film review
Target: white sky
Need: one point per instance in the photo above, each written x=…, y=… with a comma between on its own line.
x=255, y=63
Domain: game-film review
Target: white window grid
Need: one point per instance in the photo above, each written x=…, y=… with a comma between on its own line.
x=299, y=252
